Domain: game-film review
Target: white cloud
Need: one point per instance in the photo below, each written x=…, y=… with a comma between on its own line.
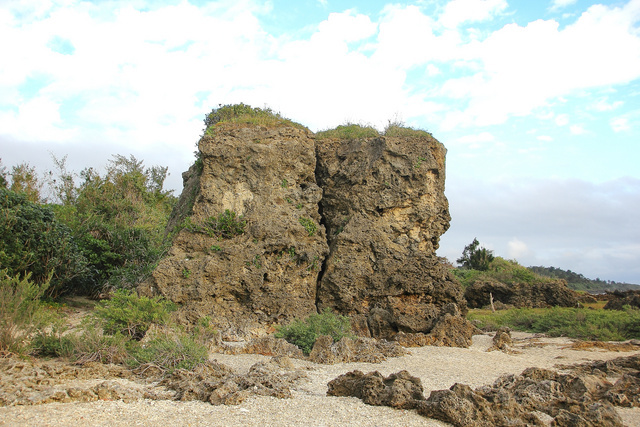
x=545, y=138
x=561, y=4
x=562, y=119
x=577, y=130
x=476, y=139
x=602, y=105
x=620, y=124
x=457, y=12
x=517, y=249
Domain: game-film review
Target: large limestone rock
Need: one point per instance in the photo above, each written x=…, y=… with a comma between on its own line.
x=384, y=208
x=536, y=295
x=381, y=200
x=269, y=273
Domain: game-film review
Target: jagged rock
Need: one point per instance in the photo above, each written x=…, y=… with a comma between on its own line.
x=618, y=299
x=520, y=399
x=502, y=340
x=400, y=390
x=384, y=209
x=268, y=274
x=347, y=350
x=450, y=330
x=267, y=346
x=381, y=199
x=219, y=385
x=534, y=295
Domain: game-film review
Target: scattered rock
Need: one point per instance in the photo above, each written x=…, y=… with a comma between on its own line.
x=618, y=299
x=400, y=390
x=449, y=330
x=218, y=385
x=535, y=295
x=368, y=350
x=267, y=346
x=502, y=340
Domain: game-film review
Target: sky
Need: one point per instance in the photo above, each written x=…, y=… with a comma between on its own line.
x=537, y=102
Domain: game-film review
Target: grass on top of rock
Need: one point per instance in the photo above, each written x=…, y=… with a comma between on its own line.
x=245, y=114
x=304, y=333
x=399, y=129
x=580, y=323
x=348, y=131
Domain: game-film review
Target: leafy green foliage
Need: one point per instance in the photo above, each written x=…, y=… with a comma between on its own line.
x=604, y=325
x=500, y=270
x=398, y=129
x=118, y=221
x=130, y=315
x=3, y=176
x=33, y=241
x=308, y=225
x=19, y=310
x=304, y=333
x=24, y=180
x=474, y=257
x=242, y=113
x=349, y=131
x=169, y=351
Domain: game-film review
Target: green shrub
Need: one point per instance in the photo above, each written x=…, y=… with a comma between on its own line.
x=169, y=351
x=93, y=346
x=33, y=241
x=396, y=129
x=226, y=225
x=500, y=270
x=304, y=333
x=308, y=225
x=130, y=315
x=349, y=131
x=20, y=310
x=242, y=113
x=581, y=323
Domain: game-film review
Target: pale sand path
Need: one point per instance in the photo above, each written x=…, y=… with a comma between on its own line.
x=437, y=367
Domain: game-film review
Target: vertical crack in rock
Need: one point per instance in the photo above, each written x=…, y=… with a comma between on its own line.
x=348, y=224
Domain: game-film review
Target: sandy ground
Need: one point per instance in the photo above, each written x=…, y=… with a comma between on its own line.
x=437, y=367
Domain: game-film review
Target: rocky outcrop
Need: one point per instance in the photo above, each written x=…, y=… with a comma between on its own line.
x=384, y=209
x=266, y=274
x=400, y=390
x=347, y=350
x=619, y=299
x=382, y=203
x=534, y=295
x=535, y=397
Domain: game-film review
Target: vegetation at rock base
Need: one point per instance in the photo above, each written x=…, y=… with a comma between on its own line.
x=100, y=231
x=242, y=113
x=35, y=243
x=20, y=310
x=304, y=333
x=581, y=323
x=131, y=315
x=500, y=270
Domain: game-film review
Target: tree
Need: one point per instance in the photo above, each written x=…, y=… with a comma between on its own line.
x=475, y=258
x=25, y=180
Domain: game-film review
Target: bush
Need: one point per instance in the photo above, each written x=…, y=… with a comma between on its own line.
x=349, y=131
x=242, y=113
x=396, y=129
x=130, y=315
x=169, y=351
x=304, y=333
x=578, y=323
x=34, y=242
x=93, y=346
x=20, y=310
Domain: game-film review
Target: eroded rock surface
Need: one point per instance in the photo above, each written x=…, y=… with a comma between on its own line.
x=535, y=397
x=367, y=350
x=534, y=295
x=384, y=209
x=382, y=202
x=269, y=273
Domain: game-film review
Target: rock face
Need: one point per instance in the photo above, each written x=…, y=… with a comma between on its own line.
x=618, y=299
x=533, y=295
x=384, y=209
x=267, y=274
x=382, y=203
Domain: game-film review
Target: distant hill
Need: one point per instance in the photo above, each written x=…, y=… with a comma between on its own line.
x=578, y=282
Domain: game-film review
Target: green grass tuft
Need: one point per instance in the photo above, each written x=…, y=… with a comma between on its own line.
x=349, y=131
